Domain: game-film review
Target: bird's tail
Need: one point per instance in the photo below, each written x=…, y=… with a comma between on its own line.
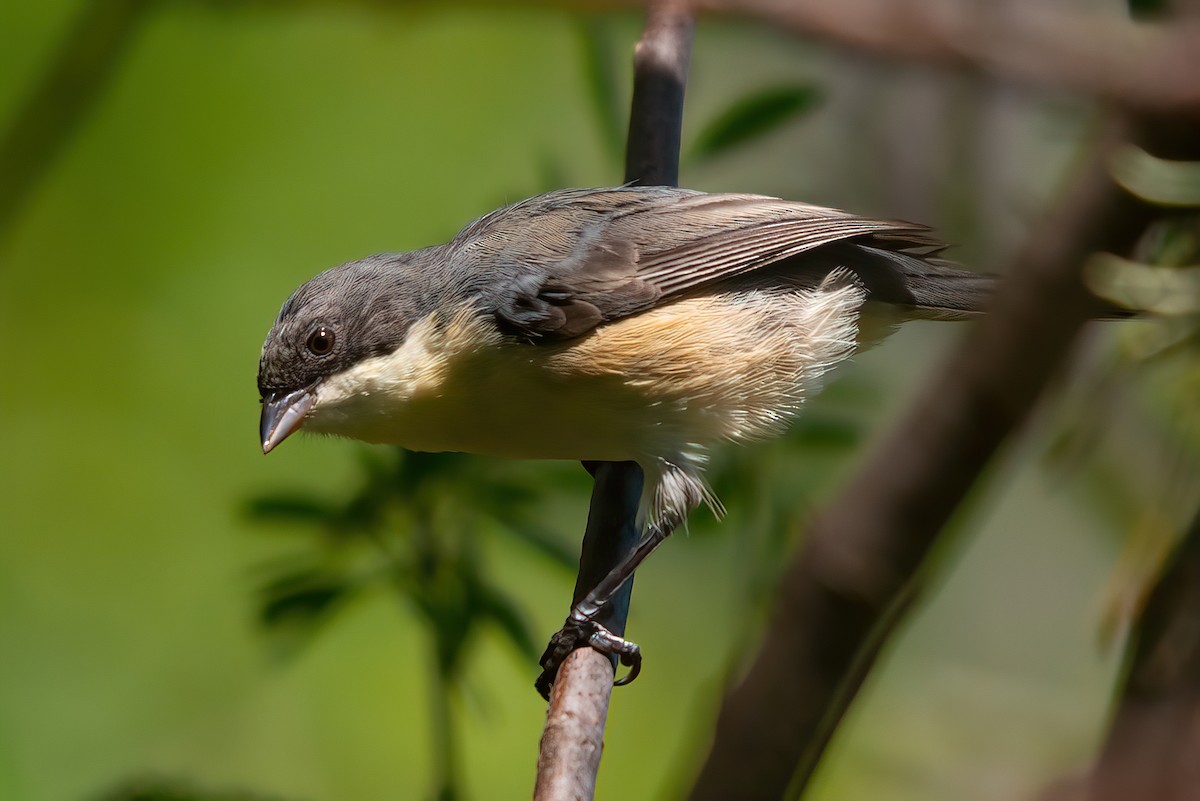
x=925, y=287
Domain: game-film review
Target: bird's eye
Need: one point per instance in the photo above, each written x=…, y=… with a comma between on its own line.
x=320, y=341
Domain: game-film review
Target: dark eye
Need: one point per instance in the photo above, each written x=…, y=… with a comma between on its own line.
x=320, y=341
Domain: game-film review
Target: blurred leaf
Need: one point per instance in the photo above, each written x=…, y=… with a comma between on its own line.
x=543, y=540
x=1155, y=180
x=154, y=788
x=302, y=597
x=600, y=72
x=1148, y=8
x=1164, y=291
x=502, y=610
x=753, y=116
x=1173, y=241
x=817, y=431
x=1138, y=567
x=551, y=174
x=290, y=509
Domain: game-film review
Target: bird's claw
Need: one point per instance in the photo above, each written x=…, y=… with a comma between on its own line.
x=625, y=650
x=577, y=634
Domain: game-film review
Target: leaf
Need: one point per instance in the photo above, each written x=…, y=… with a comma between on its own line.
x=1159, y=181
x=542, y=540
x=302, y=597
x=600, y=72
x=817, y=431
x=506, y=614
x=1148, y=8
x=289, y=509
x=1164, y=291
x=754, y=116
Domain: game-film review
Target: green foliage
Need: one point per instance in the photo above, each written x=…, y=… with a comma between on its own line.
x=754, y=116
x=412, y=528
x=602, y=74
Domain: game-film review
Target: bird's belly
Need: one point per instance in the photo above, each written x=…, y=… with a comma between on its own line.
x=508, y=403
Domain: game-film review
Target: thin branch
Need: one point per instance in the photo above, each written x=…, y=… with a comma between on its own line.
x=76, y=77
x=573, y=739
x=860, y=565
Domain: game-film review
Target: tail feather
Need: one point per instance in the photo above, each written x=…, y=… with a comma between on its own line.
x=931, y=287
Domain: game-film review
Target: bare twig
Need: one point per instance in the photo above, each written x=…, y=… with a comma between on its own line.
x=574, y=735
x=860, y=564
x=573, y=738
x=77, y=75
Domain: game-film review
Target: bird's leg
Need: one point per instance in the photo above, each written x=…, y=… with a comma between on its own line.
x=581, y=627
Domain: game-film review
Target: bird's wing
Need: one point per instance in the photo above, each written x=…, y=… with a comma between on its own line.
x=574, y=259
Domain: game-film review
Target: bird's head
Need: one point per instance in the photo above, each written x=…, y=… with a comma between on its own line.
x=330, y=325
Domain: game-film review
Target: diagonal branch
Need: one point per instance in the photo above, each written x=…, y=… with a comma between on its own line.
x=860, y=565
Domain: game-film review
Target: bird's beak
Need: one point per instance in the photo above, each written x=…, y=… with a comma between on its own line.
x=283, y=414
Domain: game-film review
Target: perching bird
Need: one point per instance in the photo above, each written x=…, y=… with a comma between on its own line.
x=636, y=323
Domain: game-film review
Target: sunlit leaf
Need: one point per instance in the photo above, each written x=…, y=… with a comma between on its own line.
x=752, y=117
x=1155, y=180
x=1160, y=290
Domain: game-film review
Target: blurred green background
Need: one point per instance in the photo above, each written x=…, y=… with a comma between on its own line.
x=239, y=150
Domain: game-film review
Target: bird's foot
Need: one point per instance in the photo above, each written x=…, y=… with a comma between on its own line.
x=578, y=632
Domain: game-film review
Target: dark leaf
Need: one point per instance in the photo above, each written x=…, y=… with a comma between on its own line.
x=1148, y=8
x=505, y=613
x=543, y=540
x=303, y=597
x=290, y=509
x=816, y=431
x=753, y=116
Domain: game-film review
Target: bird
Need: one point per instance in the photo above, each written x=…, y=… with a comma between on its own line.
x=633, y=323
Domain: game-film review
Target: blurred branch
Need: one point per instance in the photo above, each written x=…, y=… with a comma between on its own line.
x=571, y=743
x=1145, y=66
x=1142, y=66
x=77, y=75
x=859, y=569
